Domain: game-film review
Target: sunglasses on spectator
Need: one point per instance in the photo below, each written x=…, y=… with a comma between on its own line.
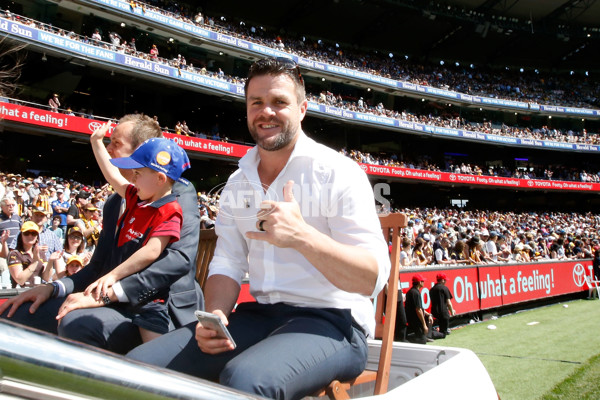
x=75, y=237
x=30, y=233
x=291, y=65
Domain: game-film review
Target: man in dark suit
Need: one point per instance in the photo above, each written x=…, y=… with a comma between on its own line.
x=104, y=324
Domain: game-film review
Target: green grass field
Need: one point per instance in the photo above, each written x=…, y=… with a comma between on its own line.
x=551, y=352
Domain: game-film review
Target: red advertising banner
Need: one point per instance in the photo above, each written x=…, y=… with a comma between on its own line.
x=489, y=286
x=48, y=119
x=447, y=177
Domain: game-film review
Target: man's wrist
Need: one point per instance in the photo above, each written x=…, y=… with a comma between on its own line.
x=55, y=289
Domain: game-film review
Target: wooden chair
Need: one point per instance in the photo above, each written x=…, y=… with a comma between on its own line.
x=206, y=250
x=385, y=322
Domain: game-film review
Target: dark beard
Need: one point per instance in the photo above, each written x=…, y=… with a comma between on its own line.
x=281, y=140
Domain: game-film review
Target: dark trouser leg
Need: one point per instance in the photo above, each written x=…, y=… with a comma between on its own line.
x=400, y=329
x=44, y=318
x=443, y=322
x=418, y=334
x=103, y=327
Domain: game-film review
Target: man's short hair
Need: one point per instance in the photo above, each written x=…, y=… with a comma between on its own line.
x=144, y=128
x=5, y=200
x=275, y=67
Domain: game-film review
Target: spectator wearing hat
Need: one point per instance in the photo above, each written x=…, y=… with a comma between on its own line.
x=172, y=274
x=490, y=247
x=152, y=220
x=74, y=264
x=441, y=306
x=60, y=207
x=54, y=103
x=419, y=321
x=91, y=227
x=25, y=262
x=75, y=213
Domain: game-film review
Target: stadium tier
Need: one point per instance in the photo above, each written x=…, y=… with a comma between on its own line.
x=417, y=135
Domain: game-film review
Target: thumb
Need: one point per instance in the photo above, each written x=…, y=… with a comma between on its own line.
x=288, y=194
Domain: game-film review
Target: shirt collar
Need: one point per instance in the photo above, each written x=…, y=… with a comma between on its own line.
x=251, y=159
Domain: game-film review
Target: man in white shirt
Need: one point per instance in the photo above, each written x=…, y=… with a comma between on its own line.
x=300, y=219
x=441, y=253
x=490, y=246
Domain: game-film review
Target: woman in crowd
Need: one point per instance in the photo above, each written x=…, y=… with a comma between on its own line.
x=25, y=262
x=74, y=246
x=405, y=254
x=458, y=254
x=519, y=253
x=418, y=254
x=476, y=251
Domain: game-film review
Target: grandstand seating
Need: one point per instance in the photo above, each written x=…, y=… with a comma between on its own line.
x=431, y=141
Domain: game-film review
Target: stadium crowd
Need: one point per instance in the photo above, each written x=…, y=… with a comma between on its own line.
x=530, y=86
x=66, y=209
x=433, y=236
x=450, y=120
x=454, y=236
x=446, y=120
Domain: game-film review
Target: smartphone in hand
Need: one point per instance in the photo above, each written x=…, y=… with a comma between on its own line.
x=213, y=321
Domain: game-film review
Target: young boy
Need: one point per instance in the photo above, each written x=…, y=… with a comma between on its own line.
x=152, y=217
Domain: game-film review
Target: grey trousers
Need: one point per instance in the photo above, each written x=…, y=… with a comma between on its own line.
x=283, y=352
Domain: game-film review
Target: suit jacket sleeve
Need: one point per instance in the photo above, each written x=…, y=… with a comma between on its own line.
x=97, y=266
x=177, y=259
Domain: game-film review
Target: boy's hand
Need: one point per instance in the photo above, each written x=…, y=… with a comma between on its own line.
x=100, y=287
x=99, y=134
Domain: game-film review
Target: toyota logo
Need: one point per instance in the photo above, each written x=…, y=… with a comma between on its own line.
x=579, y=275
x=452, y=177
x=530, y=183
x=364, y=167
x=94, y=125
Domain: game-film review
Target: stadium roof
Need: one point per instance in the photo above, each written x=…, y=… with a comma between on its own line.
x=552, y=34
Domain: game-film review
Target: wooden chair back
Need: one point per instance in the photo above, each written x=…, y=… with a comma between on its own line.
x=385, y=316
x=206, y=250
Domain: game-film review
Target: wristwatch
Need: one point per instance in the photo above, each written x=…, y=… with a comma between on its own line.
x=106, y=300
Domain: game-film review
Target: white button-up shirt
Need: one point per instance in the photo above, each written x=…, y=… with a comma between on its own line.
x=335, y=197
